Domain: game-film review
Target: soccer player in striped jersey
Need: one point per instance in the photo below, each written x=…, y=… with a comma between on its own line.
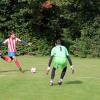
x=0, y=54
x=59, y=56
x=11, y=43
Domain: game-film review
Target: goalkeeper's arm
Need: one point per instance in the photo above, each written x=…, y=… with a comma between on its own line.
x=71, y=64
x=50, y=61
x=70, y=61
x=49, y=64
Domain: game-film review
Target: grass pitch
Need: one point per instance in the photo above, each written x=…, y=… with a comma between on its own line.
x=83, y=85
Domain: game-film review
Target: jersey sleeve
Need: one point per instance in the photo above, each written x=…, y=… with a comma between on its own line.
x=17, y=39
x=66, y=52
x=52, y=52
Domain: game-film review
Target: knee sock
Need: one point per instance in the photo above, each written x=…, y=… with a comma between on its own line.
x=17, y=63
x=53, y=73
x=63, y=73
x=7, y=59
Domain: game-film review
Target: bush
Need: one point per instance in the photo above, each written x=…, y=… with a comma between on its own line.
x=79, y=48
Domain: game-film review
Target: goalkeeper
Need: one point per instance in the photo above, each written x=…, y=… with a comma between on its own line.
x=59, y=56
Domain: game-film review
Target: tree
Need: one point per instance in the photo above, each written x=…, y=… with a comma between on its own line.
x=76, y=22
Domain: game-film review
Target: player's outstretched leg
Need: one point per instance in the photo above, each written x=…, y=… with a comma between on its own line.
x=62, y=76
x=52, y=76
x=7, y=59
x=17, y=64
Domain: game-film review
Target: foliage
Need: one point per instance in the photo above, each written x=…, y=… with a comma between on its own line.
x=76, y=22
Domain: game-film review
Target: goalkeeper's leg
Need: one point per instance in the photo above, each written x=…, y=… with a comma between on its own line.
x=62, y=75
x=52, y=76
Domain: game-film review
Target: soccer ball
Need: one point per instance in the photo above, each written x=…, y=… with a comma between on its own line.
x=33, y=70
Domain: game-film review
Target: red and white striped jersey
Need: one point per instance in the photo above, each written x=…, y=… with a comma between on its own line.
x=11, y=44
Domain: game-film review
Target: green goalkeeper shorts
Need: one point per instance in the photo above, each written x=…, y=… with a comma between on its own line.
x=59, y=62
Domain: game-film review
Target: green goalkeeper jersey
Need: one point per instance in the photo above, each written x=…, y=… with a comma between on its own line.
x=59, y=54
x=59, y=51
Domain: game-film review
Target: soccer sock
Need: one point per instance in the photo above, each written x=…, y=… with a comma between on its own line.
x=17, y=63
x=63, y=73
x=53, y=73
x=7, y=59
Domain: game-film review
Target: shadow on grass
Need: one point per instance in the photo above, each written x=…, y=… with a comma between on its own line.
x=7, y=71
x=70, y=82
x=74, y=82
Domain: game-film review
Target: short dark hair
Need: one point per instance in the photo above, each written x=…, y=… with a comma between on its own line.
x=12, y=32
x=58, y=41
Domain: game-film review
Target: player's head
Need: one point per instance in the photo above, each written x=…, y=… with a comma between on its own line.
x=12, y=34
x=58, y=42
